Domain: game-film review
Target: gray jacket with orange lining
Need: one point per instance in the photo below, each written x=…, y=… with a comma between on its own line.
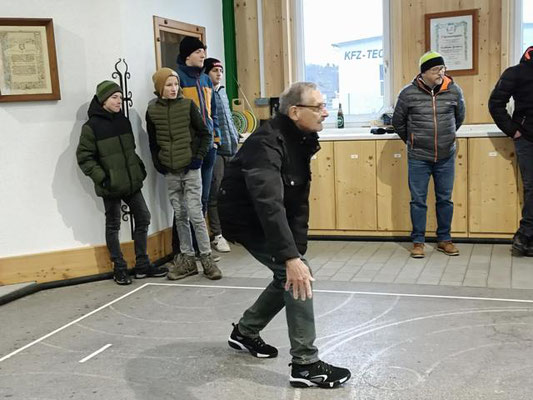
x=427, y=120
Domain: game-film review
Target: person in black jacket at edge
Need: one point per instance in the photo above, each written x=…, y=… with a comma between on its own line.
x=517, y=82
x=264, y=205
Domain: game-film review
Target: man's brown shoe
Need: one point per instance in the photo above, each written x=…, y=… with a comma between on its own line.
x=418, y=250
x=448, y=248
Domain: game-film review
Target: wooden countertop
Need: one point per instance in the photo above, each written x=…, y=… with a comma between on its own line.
x=465, y=131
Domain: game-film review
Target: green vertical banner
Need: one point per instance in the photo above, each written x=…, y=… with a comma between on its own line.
x=230, y=50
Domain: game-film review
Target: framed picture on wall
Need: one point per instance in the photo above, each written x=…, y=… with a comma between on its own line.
x=454, y=35
x=28, y=63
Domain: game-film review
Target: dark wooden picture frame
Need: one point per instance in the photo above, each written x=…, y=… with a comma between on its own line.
x=473, y=33
x=49, y=73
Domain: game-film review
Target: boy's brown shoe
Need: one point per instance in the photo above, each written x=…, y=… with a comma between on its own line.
x=418, y=250
x=448, y=248
x=181, y=267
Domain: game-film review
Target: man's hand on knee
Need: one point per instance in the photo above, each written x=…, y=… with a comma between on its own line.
x=299, y=278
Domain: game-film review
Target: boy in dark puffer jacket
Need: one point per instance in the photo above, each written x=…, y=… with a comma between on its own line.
x=106, y=153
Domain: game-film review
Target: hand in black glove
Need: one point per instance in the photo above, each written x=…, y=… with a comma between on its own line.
x=195, y=164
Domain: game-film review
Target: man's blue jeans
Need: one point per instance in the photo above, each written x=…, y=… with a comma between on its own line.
x=443, y=172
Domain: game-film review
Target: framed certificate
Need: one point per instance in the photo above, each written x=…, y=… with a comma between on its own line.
x=455, y=36
x=28, y=64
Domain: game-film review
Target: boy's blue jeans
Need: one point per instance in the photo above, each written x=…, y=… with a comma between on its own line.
x=443, y=172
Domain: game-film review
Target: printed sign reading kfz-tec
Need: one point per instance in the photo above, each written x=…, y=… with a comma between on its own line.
x=363, y=54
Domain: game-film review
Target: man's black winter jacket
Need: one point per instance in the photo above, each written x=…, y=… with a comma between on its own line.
x=516, y=81
x=264, y=196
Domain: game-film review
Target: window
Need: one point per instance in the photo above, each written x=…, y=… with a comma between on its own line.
x=345, y=51
x=527, y=24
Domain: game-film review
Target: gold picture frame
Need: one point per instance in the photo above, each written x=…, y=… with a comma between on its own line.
x=454, y=34
x=28, y=61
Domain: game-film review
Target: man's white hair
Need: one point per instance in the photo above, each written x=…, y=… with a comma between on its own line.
x=294, y=95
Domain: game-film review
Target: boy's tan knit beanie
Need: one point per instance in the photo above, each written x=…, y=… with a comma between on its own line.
x=161, y=76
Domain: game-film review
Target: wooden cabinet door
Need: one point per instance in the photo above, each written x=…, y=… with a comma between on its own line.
x=459, y=195
x=393, y=195
x=492, y=186
x=322, y=196
x=355, y=185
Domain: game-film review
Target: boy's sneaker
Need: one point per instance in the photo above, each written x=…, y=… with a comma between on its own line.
x=319, y=374
x=149, y=271
x=157, y=272
x=220, y=244
x=256, y=346
x=182, y=267
x=121, y=276
x=211, y=271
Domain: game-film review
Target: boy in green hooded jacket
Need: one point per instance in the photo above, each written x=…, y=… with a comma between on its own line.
x=106, y=153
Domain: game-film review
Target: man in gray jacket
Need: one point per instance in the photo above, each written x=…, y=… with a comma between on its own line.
x=428, y=112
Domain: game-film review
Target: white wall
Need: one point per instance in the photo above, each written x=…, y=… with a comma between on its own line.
x=46, y=203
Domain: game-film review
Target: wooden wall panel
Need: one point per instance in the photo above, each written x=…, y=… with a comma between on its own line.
x=410, y=46
x=75, y=263
x=273, y=47
x=246, y=39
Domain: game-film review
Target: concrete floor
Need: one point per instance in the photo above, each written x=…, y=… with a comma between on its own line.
x=167, y=340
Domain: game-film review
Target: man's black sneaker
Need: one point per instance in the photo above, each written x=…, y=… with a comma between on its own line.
x=121, y=276
x=150, y=271
x=256, y=346
x=318, y=374
x=520, y=245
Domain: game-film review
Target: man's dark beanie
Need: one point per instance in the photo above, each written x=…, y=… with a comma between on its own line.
x=189, y=45
x=429, y=60
x=210, y=63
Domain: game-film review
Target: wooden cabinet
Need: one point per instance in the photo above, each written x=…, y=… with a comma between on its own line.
x=355, y=185
x=322, y=196
x=392, y=190
x=492, y=182
x=361, y=188
x=459, y=195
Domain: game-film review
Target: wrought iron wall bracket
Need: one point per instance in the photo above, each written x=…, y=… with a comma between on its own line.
x=123, y=75
x=123, y=78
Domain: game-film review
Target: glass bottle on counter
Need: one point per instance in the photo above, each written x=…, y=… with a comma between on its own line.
x=340, y=117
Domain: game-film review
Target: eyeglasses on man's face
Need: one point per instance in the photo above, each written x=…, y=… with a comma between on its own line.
x=437, y=69
x=318, y=108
